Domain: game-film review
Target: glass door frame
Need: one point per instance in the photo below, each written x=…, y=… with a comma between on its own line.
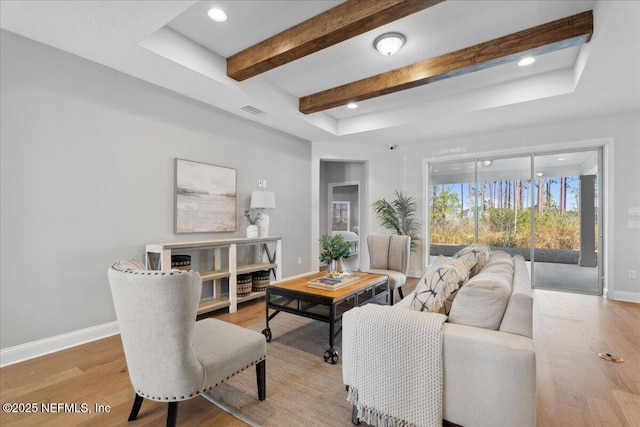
x=600, y=188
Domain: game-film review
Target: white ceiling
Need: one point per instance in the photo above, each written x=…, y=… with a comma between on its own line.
x=173, y=44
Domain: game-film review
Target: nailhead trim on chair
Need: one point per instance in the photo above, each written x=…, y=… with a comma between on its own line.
x=150, y=272
x=153, y=272
x=196, y=393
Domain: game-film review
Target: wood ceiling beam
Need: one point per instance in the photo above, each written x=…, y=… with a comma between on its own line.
x=571, y=31
x=347, y=20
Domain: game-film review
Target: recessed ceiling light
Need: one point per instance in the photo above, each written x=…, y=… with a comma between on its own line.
x=352, y=105
x=217, y=15
x=487, y=162
x=560, y=159
x=389, y=43
x=527, y=60
x=539, y=174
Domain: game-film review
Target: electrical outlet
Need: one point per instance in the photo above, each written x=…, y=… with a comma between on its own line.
x=299, y=260
x=634, y=211
x=633, y=225
x=632, y=274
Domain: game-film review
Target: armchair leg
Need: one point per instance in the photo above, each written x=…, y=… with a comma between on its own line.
x=137, y=403
x=172, y=414
x=400, y=292
x=261, y=376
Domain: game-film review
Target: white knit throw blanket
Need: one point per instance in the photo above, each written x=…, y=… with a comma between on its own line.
x=396, y=365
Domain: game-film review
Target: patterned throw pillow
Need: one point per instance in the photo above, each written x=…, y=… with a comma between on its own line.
x=437, y=284
x=477, y=254
x=132, y=264
x=448, y=303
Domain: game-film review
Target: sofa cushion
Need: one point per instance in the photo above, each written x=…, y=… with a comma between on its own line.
x=438, y=283
x=482, y=301
x=499, y=257
x=477, y=253
x=496, y=257
x=518, y=317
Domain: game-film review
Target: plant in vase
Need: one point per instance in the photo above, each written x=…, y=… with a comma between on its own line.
x=254, y=221
x=334, y=249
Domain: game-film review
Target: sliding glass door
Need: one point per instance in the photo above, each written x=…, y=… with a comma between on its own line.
x=452, y=206
x=567, y=228
x=504, y=216
x=544, y=207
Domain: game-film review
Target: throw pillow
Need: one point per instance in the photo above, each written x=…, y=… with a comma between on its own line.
x=132, y=264
x=481, y=302
x=477, y=254
x=446, y=308
x=437, y=284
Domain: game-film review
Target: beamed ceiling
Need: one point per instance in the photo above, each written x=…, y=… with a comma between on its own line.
x=355, y=17
x=298, y=63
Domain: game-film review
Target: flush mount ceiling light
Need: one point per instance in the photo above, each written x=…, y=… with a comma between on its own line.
x=487, y=163
x=352, y=105
x=539, y=174
x=217, y=15
x=527, y=60
x=389, y=43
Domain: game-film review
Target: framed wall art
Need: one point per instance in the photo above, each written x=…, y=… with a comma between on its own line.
x=205, y=198
x=340, y=216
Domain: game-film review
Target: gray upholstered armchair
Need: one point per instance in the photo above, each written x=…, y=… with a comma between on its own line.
x=170, y=356
x=390, y=255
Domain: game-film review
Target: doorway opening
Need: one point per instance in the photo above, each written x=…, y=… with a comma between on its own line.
x=341, y=205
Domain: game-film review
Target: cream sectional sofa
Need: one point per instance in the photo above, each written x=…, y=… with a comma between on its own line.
x=489, y=367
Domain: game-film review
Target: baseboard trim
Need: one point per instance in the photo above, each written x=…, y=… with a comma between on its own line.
x=31, y=350
x=623, y=296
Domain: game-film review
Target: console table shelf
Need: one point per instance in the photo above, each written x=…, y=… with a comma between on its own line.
x=212, y=304
x=158, y=257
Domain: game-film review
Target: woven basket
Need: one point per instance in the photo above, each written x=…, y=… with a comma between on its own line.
x=260, y=280
x=181, y=262
x=244, y=284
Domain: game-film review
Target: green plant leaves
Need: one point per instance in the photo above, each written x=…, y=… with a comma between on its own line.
x=334, y=247
x=399, y=216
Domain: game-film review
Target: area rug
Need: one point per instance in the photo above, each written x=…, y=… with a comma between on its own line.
x=302, y=390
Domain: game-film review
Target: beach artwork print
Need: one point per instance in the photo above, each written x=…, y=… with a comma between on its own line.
x=205, y=198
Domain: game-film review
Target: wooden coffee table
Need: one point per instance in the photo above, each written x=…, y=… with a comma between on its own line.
x=297, y=297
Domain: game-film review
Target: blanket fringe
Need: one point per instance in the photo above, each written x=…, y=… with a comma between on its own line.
x=373, y=417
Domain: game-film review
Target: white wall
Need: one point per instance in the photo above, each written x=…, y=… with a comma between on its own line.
x=87, y=163
x=403, y=169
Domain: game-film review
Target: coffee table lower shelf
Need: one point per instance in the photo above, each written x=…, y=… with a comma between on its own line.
x=296, y=297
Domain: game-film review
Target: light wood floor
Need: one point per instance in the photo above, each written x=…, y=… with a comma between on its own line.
x=575, y=387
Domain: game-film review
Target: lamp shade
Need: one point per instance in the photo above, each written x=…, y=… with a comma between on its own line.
x=263, y=200
x=390, y=43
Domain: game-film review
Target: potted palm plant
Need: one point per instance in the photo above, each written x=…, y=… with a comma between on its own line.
x=399, y=216
x=334, y=249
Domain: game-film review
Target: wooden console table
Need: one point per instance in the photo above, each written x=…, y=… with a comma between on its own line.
x=224, y=251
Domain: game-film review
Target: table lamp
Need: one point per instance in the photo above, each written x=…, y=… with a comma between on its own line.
x=263, y=200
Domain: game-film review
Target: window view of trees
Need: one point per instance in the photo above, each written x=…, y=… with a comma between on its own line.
x=504, y=213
